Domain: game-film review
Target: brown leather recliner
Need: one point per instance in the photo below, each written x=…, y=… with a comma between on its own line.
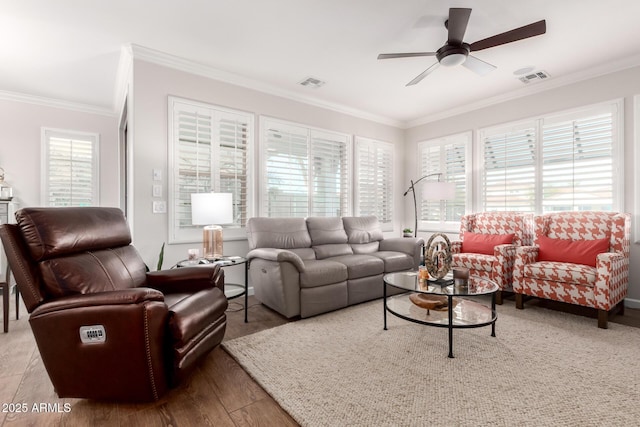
x=107, y=329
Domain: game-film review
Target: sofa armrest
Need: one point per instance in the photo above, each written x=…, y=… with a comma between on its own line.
x=524, y=255
x=187, y=279
x=456, y=247
x=121, y=297
x=406, y=245
x=612, y=279
x=277, y=255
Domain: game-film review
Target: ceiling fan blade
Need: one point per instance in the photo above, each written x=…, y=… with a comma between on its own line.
x=531, y=30
x=457, y=24
x=404, y=55
x=422, y=75
x=478, y=66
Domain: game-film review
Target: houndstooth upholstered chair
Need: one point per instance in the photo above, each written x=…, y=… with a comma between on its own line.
x=487, y=245
x=580, y=258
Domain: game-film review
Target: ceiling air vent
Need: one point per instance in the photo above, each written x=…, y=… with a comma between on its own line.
x=534, y=77
x=312, y=82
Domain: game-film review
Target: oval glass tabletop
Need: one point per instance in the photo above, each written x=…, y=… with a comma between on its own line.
x=408, y=280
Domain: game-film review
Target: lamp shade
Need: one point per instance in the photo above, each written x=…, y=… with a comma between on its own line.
x=438, y=190
x=211, y=208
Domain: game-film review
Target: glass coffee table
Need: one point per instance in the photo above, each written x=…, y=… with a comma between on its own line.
x=440, y=304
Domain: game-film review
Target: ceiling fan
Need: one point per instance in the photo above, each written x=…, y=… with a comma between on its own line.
x=456, y=52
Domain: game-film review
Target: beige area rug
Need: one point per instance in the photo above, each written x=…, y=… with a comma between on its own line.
x=543, y=368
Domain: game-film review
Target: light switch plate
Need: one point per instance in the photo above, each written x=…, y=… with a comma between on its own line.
x=157, y=190
x=159, y=206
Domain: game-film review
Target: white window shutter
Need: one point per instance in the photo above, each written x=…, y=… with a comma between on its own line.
x=70, y=168
x=305, y=171
x=509, y=169
x=374, y=180
x=209, y=151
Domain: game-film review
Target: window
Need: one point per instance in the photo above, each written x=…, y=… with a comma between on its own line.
x=577, y=161
x=449, y=156
x=305, y=171
x=374, y=176
x=70, y=175
x=509, y=165
x=565, y=162
x=209, y=150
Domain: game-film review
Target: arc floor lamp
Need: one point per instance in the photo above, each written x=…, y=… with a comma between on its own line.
x=431, y=190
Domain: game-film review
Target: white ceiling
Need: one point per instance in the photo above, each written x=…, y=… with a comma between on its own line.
x=69, y=50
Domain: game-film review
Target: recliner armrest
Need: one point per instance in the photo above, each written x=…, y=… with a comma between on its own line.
x=277, y=255
x=120, y=297
x=187, y=279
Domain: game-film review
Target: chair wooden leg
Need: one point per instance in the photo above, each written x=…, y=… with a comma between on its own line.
x=519, y=301
x=603, y=316
x=499, y=297
x=621, y=308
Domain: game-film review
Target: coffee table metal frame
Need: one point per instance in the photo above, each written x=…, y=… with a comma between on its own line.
x=468, y=313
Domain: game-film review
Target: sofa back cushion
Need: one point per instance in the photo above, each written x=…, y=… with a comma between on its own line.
x=362, y=229
x=279, y=233
x=52, y=232
x=338, y=249
x=587, y=225
x=81, y=250
x=93, y=271
x=326, y=230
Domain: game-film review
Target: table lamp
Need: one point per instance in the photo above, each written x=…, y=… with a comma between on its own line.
x=211, y=210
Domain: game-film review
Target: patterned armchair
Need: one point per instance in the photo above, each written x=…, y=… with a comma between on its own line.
x=543, y=271
x=496, y=262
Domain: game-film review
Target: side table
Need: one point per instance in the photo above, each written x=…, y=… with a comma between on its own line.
x=233, y=290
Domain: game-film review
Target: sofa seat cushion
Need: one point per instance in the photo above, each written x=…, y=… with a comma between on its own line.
x=480, y=262
x=576, y=274
x=322, y=272
x=395, y=261
x=360, y=265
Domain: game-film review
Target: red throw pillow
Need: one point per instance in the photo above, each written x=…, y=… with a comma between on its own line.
x=484, y=243
x=572, y=251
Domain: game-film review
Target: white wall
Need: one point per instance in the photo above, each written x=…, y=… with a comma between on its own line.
x=624, y=84
x=152, y=84
x=20, y=146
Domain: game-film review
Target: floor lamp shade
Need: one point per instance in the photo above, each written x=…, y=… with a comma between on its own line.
x=210, y=210
x=438, y=190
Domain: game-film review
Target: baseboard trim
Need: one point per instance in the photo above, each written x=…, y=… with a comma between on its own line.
x=632, y=303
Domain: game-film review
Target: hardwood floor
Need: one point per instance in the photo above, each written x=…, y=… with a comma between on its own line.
x=220, y=393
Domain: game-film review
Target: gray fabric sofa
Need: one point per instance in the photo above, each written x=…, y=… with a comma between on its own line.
x=303, y=267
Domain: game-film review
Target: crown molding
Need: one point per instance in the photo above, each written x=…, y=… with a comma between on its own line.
x=552, y=83
x=55, y=103
x=167, y=60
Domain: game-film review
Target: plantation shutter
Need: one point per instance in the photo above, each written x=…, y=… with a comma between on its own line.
x=577, y=169
x=70, y=172
x=374, y=175
x=330, y=195
x=210, y=152
x=287, y=165
x=193, y=154
x=305, y=171
x=447, y=156
x=509, y=169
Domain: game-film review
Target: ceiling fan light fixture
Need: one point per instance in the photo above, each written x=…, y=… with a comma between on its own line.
x=453, y=59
